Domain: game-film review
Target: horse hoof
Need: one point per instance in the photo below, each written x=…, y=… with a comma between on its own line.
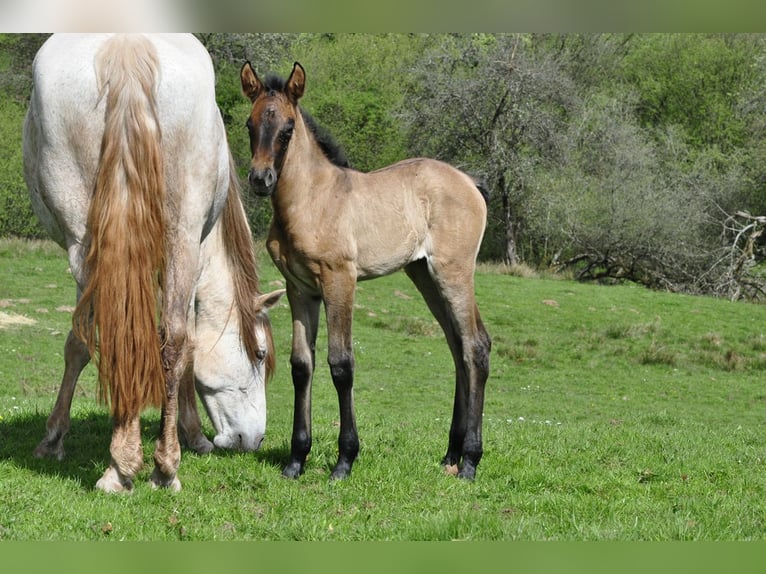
x=202, y=446
x=451, y=469
x=468, y=472
x=341, y=471
x=45, y=449
x=159, y=480
x=293, y=470
x=111, y=482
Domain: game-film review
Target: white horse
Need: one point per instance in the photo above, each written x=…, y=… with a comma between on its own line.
x=128, y=168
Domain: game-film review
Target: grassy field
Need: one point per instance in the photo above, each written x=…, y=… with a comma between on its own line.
x=612, y=413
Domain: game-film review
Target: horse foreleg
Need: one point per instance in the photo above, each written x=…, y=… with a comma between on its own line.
x=126, y=456
x=338, y=293
x=189, y=422
x=76, y=356
x=305, y=316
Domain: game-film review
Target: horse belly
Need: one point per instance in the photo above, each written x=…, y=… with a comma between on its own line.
x=380, y=255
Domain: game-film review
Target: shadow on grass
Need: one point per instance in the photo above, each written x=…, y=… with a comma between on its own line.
x=87, y=447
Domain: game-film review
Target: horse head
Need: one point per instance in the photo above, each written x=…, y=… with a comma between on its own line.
x=271, y=123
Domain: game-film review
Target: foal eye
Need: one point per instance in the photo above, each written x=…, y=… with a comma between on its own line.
x=286, y=134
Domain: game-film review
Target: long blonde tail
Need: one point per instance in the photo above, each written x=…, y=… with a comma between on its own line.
x=117, y=315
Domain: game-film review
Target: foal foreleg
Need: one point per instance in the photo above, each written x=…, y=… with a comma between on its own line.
x=76, y=356
x=305, y=315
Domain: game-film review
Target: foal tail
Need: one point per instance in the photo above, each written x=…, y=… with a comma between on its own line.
x=118, y=312
x=481, y=185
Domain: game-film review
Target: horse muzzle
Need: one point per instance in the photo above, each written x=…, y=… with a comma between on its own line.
x=241, y=442
x=263, y=182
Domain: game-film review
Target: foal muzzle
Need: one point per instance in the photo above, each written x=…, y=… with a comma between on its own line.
x=263, y=182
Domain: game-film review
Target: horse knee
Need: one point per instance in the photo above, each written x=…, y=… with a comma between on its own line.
x=301, y=368
x=341, y=367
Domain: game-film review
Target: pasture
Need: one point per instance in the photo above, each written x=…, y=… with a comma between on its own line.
x=612, y=413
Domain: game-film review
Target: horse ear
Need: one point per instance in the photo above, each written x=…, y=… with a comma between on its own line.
x=268, y=300
x=251, y=85
x=296, y=83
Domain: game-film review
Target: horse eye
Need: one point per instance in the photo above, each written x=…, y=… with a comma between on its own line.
x=260, y=354
x=286, y=134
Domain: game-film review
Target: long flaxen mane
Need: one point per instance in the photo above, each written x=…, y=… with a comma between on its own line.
x=238, y=242
x=117, y=313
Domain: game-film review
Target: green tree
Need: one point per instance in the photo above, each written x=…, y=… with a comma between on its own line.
x=354, y=82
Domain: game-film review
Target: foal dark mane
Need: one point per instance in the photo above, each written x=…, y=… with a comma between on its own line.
x=332, y=150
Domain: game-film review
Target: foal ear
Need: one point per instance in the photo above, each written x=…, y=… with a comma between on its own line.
x=296, y=83
x=251, y=85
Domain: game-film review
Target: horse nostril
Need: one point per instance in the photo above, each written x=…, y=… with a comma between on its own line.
x=269, y=178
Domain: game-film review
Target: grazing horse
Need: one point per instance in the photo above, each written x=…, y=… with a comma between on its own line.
x=333, y=226
x=128, y=169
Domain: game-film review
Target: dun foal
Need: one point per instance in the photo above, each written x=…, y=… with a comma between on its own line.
x=333, y=226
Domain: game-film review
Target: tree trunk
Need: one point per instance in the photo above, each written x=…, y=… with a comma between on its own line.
x=510, y=256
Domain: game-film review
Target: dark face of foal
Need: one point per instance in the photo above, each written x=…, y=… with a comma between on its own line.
x=270, y=125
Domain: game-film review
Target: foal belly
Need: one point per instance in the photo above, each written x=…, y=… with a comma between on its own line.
x=388, y=258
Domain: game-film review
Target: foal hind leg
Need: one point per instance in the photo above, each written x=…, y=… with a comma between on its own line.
x=452, y=302
x=76, y=356
x=338, y=294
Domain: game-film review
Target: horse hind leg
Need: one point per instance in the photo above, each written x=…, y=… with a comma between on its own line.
x=453, y=305
x=176, y=360
x=76, y=357
x=126, y=456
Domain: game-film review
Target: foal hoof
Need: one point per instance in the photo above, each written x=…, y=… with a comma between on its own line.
x=342, y=470
x=293, y=470
x=451, y=469
x=468, y=472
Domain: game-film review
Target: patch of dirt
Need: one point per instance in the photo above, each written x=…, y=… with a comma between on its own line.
x=12, y=319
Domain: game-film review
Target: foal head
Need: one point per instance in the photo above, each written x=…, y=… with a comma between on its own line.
x=271, y=123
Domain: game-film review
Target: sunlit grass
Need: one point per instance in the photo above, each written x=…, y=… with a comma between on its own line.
x=612, y=413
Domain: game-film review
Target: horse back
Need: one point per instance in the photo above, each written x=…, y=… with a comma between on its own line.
x=416, y=208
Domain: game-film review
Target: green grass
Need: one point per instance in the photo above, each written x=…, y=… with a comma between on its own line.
x=612, y=413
